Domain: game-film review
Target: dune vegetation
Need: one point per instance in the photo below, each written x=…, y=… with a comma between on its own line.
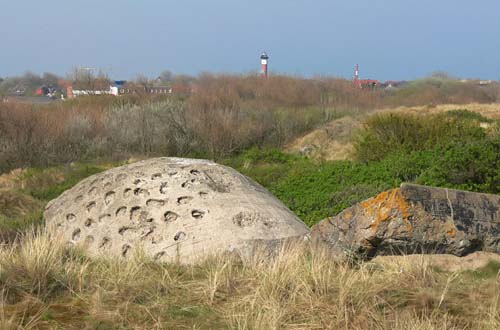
x=438, y=132
x=48, y=285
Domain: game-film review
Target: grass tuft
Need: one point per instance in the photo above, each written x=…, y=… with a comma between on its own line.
x=47, y=284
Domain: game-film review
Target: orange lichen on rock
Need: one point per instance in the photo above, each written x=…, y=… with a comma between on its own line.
x=382, y=208
x=452, y=232
x=348, y=214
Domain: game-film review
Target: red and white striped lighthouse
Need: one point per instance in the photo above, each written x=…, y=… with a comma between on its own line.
x=263, y=61
x=356, y=75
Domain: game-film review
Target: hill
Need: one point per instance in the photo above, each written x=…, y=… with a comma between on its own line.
x=333, y=140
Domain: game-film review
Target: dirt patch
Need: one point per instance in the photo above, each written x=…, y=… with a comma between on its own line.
x=330, y=142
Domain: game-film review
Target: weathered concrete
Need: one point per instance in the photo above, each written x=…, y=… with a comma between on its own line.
x=172, y=208
x=415, y=219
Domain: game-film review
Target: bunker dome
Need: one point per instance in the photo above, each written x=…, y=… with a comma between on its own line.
x=173, y=209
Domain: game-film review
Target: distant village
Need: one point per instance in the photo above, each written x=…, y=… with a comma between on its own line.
x=82, y=82
x=30, y=88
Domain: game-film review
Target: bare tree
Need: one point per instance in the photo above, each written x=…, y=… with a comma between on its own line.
x=142, y=80
x=166, y=76
x=50, y=79
x=87, y=78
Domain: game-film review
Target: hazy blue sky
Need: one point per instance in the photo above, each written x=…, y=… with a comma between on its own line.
x=390, y=39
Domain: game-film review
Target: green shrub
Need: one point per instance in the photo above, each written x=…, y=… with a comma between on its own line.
x=464, y=114
x=315, y=190
x=463, y=165
x=385, y=134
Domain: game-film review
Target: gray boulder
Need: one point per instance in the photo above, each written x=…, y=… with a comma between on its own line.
x=173, y=209
x=415, y=219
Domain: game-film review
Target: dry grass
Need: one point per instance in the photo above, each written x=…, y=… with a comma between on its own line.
x=47, y=285
x=491, y=110
x=332, y=141
x=17, y=211
x=15, y=205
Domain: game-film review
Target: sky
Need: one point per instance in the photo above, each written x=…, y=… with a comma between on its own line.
x=390, y=39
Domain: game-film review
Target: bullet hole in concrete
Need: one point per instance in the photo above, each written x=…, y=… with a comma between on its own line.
x=156, y=176
x=155, y=202
x=70, y=217
x=89, y=222
x=104, y=217
x=197, y=214
x=203, y=194
x=135, y=213
x=105, y=243
x=78, y=198
x=121, y=211
x=121, y=177
x=140, y=191
x=76, y=234
x=127, y=192
x=147, y=231
x=180, y=236
x=170, y=216
x=109, y=197
x=90, y=206
x=184, y=200
x=122, y=230
x=189, y=183
x=139, y=181
x=125, y=249
x=194, y=172
x=163, y=188
x=95, y=181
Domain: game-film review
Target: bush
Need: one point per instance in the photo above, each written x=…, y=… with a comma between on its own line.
x=315, y=190
x=473, y=166
x=224, y=116
x=388, y=133
x=453, y=153
x=464, y=114
x=441, y=90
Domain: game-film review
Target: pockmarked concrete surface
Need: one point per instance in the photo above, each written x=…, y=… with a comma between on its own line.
x=415, y=219
x=173, y=209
